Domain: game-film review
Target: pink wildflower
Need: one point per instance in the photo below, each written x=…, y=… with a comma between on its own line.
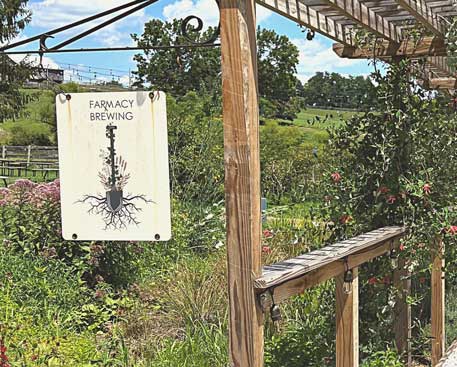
x=383, y=190
x=391, y=199
x=452, y=230
x=266, y=249
x=372, y=281
x=336, y=177
x=267, y=233
x=345, y=219
x=427, y=188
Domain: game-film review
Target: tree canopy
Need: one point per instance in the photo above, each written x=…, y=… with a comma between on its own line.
x=179, y=71
x=13, y=18
x=334, y=90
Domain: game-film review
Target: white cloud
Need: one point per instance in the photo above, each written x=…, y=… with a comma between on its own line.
x=207, y=10
x=35, y=60
x=316, y=56
x=49, y=14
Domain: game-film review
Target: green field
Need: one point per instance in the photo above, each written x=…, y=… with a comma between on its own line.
x=40, y=118
x=322, y=119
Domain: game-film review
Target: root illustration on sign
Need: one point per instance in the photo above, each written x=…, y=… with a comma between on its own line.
x=117, y=209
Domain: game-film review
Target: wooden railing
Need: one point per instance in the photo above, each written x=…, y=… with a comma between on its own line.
x=341, y=261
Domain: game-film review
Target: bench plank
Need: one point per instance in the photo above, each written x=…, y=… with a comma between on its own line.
x=287, y=270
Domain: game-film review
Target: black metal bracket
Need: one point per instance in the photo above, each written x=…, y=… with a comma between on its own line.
x=134, y=6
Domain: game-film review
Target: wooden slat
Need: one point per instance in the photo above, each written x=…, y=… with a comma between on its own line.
x=423, y=14
x=402, y=311
x=309, y=17
x=242, y=180
x=347, y=323
x=438, y=304
x=367, y=18
x=296, y=286
x=293, y=268
x=428, y=46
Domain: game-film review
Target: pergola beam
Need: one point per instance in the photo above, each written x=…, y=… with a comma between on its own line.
x=443, y=83
x=427, y=46
x=307, y=16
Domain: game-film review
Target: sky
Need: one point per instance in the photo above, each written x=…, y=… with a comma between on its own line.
x=316, y=55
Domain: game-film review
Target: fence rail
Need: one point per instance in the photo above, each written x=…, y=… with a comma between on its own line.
x=30, y=153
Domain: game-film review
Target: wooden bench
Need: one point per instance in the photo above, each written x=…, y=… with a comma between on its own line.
x=450, y=359
x=294, y=276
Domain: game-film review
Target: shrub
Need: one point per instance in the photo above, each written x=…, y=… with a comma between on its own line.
x=383, y=359
x=21, y=135
x=31, y=225
x=396, y=167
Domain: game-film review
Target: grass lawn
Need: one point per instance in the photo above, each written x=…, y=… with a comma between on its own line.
x=319, y=118
x=35, y=121
x=316, y=121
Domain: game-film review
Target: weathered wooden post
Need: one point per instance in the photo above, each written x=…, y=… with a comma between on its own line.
x=347, y=320
x=438, y=303
x=242, y=179
x=402, y=310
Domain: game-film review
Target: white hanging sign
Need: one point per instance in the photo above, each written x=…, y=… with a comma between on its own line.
x=113, y=155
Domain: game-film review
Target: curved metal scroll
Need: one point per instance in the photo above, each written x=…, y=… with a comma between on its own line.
x=186, y=28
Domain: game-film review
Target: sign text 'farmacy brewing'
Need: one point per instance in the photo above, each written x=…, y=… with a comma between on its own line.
x=100, y=108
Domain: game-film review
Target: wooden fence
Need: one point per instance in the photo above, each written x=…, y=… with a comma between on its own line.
x=30, y=153
x=20, y=161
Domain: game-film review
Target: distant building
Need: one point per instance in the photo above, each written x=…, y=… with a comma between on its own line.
x=46, y=75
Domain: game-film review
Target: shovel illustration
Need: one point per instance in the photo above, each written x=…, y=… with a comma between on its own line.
x=114, y=197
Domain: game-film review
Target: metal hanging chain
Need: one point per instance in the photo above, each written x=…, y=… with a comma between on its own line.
x=185, y=31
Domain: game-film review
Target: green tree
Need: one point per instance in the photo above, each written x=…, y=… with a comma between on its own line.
x=175, y=70
x=178, y=71
x=14, y=16
x=278, y=59
x=335, y=90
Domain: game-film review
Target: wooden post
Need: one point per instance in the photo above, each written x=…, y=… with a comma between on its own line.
x=402, y=311
x=242, y=179
x=347, y=323
x=29, y=153
x=438, y=303
x=3, y=152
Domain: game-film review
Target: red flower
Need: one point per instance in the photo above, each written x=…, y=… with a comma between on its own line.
x=427, y=188
x=372, y=280
x=383, y=190
x=391, y=199
x=422, y=280
x=452, y=230
x=267, y=233
x=402, y=247
x=345, y=219
x=266, y=249
x=336, y=177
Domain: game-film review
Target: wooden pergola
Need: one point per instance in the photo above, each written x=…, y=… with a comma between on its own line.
x=254, y=290
x=389, y=22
